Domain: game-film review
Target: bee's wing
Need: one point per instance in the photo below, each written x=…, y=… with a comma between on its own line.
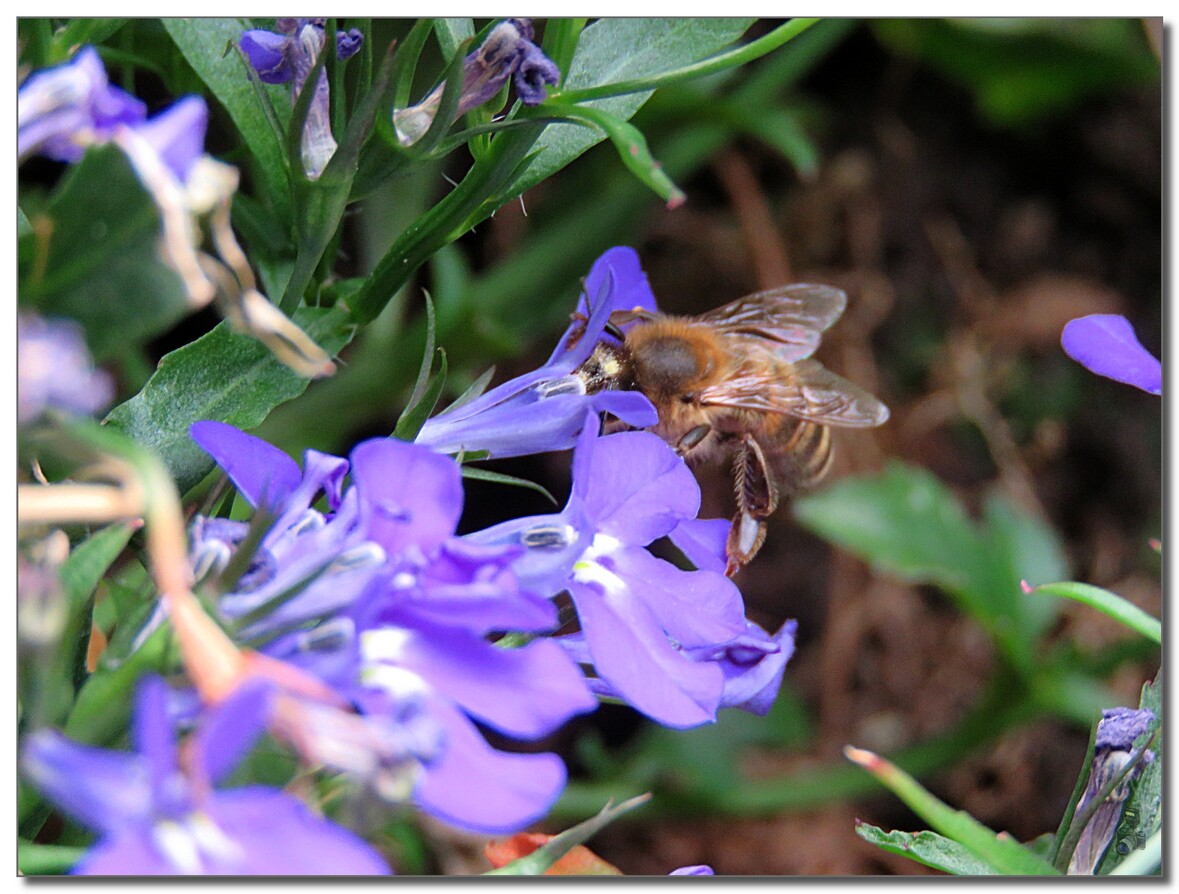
x=790, y=318
x=811, y=392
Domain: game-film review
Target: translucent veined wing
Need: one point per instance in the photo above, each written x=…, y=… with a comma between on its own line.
x=810, y=391
x=790, y=318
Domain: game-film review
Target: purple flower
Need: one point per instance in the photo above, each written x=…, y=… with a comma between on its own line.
x=1106, y=344
x=508, y=52
x=641, y=618
x=1113, y=747
x=545, y=409
x=699, y=869
x=288, y=57
x=54, y=370
x=63, y=110
x=402, y=629
x=158, y=815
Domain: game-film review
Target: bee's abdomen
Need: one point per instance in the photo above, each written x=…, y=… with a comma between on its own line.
x=805, y=452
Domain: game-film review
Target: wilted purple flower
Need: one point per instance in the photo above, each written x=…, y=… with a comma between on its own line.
x=508, y=52
x=54, y=370
x=62, y=110
x=159, y=815
x=1113, y=747
x=641, y=617
x=407, y=644
x=288, y=57
x=545, y=409
x=1106, y=344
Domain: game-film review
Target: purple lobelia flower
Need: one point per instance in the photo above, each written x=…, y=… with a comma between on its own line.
x=545, y=409
x=288, y=57
x=508, y=52
x=698, y=869
x=1113, y=748
x=654, y=633
x=402, y=634
x=159, y=815
x=54, y=370
x=63, y=110
x=1106, y=344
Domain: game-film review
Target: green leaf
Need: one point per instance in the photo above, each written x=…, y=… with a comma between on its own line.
x=477, y=474
x=555, y=848
x=632, y=149
x=1142, y=815
x=203, y=43
x=104, y=704
x=79, y=31
x=1003, y=852
x=451, y=33
x=225, y=376
x=415, y=415
x=1121, y=610
x=906, y=522
x=46, y=859
x=93, y=255
x=619, y=49
x=927, y=848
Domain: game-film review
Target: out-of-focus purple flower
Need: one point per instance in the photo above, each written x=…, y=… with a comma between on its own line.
x=62, y=110
x=698, y=869
x=178, y=134
x=753, y=665
x=545, y=409
x=54, y=370
x=288, y=57
x=1106, y=344
x=641, y=617
x=508, y=52
x=1113, y=748
x=402, y=634
x=158, y=815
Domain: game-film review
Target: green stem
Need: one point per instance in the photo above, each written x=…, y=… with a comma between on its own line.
x=739, y=56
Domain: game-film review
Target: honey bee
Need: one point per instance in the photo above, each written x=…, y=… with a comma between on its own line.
x=740, y=381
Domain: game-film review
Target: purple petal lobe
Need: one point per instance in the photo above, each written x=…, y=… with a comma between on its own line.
x=703, y=541
x=178, y=134
x=638, y=489
x=1106, y=344
x=229, y=732
x=476, y=787
x=632, y=407
x=1119, y=727
x=526, y=692
x=631, y=653
x=262, y=474
x=535, y=71
x=104, y=790
x=413, y=496
x=699, y=869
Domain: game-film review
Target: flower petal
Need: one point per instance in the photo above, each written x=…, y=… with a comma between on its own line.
x=279, y=835
x=637, y=488
x=411, y=495
x=104, y=790
x=267, y=52
x=632, y=654
x=263, y=474
x=476, y=787
x=178, y=134
x=703, y=541
x=1106, y=344
x=232, y=728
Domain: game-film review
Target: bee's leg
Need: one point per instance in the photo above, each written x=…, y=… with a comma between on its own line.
x=691, y=440
x=757, y=498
